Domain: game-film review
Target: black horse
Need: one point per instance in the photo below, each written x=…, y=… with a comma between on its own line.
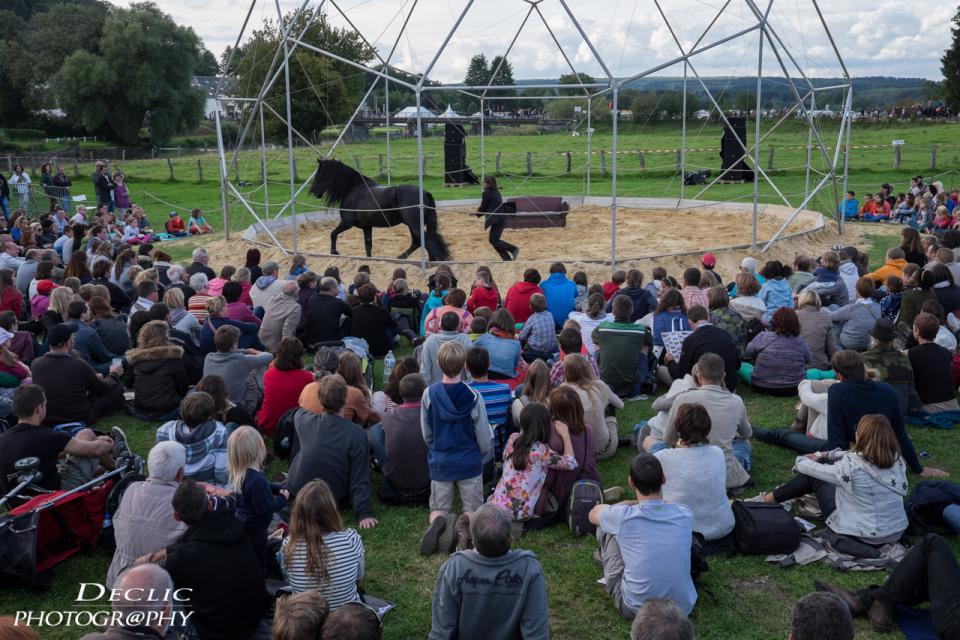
x=365, y=204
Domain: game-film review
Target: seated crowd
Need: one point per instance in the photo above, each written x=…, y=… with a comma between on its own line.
x=507, y=401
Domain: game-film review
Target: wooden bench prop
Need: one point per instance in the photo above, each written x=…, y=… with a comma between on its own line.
x=538, y=212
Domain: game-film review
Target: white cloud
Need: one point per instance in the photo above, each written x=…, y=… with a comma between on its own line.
x=891, y=38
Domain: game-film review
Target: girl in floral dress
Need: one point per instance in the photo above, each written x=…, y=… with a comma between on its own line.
x=526, y=459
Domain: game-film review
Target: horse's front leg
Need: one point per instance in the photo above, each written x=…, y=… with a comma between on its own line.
x=343, y=226
x=414, y=245
x=368, y=240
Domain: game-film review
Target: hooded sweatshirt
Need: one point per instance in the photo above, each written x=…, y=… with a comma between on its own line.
x=869, y=499
x=481, y=597
x=829, y=287
x=206, y=449
x=849, y=274
x=454, y=423
x=429, y=368
x=517, y=301
x=560, y=293
x=263, y=289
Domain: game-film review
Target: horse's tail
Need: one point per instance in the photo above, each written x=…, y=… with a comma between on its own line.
x=436, y=247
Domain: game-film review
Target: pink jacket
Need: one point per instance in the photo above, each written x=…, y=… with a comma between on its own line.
x=241, y=312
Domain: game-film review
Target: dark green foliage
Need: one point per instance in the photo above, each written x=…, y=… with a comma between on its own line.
x=950, y=66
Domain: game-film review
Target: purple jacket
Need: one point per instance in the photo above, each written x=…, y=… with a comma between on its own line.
x=781, y=361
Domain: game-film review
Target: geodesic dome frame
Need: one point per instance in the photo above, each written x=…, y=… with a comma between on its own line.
x=769, y=42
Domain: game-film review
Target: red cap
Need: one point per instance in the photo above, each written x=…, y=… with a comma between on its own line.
x=709, y=260
x=45, y=287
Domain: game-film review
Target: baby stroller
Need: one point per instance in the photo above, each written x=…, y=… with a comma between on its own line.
x=47, y=527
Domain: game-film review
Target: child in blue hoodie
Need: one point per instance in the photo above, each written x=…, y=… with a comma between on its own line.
x=776, y=292
x=454, y=423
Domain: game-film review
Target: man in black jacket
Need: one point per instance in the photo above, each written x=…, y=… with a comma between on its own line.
x=706, y=338
x=324, y=320
x=103, y=185
x=215, y=559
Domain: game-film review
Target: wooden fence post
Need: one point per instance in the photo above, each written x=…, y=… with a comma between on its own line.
x=33, y=165
x=178, y=151
x=380, y=171
x=199, y=170
x=643, y=160
x=498, y=162
x=9, y=163
x=933, y=157
x=170, y=166
x=76, y=166
x=569, y=162
x=603, y=163
x=896, y=156
x=123, y=155
x=679, y=160
x=529, y=163
x=770, y=160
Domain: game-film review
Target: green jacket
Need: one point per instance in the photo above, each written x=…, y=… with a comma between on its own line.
x=621, y=354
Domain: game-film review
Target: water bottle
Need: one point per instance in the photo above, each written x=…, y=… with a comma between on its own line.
x=388, y=363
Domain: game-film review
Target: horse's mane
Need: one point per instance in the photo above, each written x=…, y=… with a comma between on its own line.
x=334, y=180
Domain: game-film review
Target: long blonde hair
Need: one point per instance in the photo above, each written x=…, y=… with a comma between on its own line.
x=314, y=514
x=60, y=299
x=245, y=450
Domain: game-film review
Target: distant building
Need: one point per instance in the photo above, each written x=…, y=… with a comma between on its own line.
x=208, y=85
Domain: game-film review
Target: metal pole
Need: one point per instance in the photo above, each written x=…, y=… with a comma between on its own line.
x=223, y=177
x=683, y=137
x=386, y=106
x=847, y=108
x=263, y=166
x=809, y=158
x=483, y=148
x=293, y=186
x=589, y=137
x=613, y=186
x=423, y=249
x=756, y=146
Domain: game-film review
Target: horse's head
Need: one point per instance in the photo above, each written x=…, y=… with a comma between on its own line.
x=333, y=181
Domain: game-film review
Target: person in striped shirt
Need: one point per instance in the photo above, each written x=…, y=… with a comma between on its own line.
x=496, y=396
x=318, y=553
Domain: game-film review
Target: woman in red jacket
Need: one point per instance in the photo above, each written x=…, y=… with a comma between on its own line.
x=282, y=384
x=10, y=297
x=518, y=297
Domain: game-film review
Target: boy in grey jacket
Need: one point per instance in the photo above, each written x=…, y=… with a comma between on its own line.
x=491, y=591
x=449, y=332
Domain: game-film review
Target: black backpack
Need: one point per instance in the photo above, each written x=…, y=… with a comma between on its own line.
x=584, y=496
x=698, y=557
x=764, y=529
x=284, y=435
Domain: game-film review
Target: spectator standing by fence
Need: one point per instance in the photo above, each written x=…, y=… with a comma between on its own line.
x=121, y=195
x=21, y=184
x=61, y=189
x=5, y=197
x=104, y=186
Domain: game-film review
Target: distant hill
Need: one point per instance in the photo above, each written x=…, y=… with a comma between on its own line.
x=867, y=91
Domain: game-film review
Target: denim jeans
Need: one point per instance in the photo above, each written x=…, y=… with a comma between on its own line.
x=743, y=453
x=378, y=443
x=951, y=515
x=5, y=204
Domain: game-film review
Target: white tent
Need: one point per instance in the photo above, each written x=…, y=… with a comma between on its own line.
x=450, y=113
x=411, y=112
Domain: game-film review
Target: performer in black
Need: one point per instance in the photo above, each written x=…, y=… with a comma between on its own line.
x=492, y=205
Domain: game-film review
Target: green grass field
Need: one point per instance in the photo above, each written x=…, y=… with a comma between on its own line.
x=750, y=600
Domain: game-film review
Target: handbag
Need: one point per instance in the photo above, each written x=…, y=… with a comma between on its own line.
x=673, y=339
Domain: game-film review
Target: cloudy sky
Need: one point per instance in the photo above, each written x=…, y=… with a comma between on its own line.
x=630, y=36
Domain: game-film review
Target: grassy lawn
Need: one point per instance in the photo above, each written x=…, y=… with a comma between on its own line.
x=750, y=599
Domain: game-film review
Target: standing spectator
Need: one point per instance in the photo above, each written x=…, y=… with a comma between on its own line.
x=121, y=195
x=932, y=366
x=62, y=183
x=157, y=374
x=282, y=384
x=20, y=180
x=471, y=600
x=455, y=428
x=318, y=553
x=517, y=301
x=5, y=197
x=103, y=186
x=560, y=293
x=645, y=544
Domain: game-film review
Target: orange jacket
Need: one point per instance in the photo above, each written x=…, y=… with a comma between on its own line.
x=890, y=268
